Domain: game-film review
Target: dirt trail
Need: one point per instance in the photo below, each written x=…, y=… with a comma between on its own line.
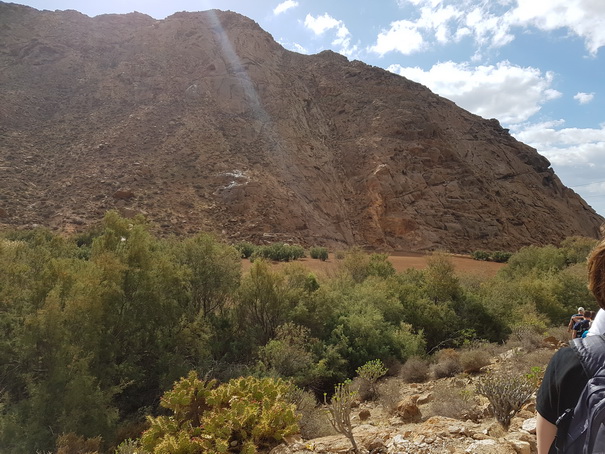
x=401, y=261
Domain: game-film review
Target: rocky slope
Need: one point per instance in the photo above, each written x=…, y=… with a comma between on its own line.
x=414, y=422
x=202, y=121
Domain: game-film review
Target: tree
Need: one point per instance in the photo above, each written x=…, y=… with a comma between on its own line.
x=264, y=301
x=441, y=283
x=214, y=273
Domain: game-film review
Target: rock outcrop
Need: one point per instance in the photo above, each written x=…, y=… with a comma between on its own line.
x=202, y=121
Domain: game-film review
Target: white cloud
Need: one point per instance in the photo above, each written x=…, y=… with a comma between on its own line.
x=300, y=49
x=443, y=24
x=576, y=154
x=584, y=18
x=584, y=98
x=510, y=93
x=285, y=6
x=488, y=29
x=493, y=24
x=419, y=2
x=321, y=24
x=403, y=37
x=550, y=136
x=438, y=20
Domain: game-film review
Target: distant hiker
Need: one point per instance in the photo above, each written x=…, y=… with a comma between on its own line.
x=566, y=407
x=580, y=329
x=575, y=319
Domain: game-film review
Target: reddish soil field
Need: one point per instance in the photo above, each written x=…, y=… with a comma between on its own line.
x=401, y=261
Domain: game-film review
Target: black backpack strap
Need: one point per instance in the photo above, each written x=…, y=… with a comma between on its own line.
x=596, y=438
x=591, y=351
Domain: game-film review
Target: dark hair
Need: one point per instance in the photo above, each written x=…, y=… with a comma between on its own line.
x=589, y=314
x=596, y=273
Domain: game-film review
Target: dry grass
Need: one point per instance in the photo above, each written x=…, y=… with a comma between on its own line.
x=473, y=360
x=536, y=358
x=415, y=370
x=314, y=422
x=452, y=400
x=362, y=388
x=525, y=336
x=389, y=395
x=560, y=333
x=447, y=365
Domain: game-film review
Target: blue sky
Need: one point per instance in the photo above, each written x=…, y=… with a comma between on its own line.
x=538, y=66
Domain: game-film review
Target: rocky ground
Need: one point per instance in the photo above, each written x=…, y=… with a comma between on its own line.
x=412, y=425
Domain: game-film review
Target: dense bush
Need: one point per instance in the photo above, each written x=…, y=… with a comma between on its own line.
x=497, y=256
x=576, y=248
x=535, y=259
x=481, y=255
x=319, y=253
x=501, y=257
x=279, y=252
x=245, y=249
x=290, y=354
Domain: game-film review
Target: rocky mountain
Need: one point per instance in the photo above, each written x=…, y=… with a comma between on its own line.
x=202, y=121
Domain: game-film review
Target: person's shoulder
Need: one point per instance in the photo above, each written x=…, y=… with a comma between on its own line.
x=565, y=358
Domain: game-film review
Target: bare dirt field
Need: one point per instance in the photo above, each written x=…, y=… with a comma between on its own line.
x=401, y=261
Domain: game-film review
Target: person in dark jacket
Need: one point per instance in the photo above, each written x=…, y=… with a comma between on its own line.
x=565, y=377
x=579, y=316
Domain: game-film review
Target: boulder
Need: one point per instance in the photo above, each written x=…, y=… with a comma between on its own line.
x=407, y=409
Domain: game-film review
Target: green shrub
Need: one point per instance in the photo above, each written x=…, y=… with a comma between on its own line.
x=540, y=259
x=371, y=372
x=279, y=252
x=129, y=447
x=246, y=413
x=319, y=253
x=501, y=257
x=577, y=248
x=536, y=375
x=289, y=353
x=506, y=393
x=440, y=281
x=481, y=255
x=245, y=249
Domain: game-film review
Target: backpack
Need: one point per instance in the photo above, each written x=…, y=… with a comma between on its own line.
x=581, y=430
x=581, y=327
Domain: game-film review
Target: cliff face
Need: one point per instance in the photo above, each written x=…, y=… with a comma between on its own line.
x=202, y=121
